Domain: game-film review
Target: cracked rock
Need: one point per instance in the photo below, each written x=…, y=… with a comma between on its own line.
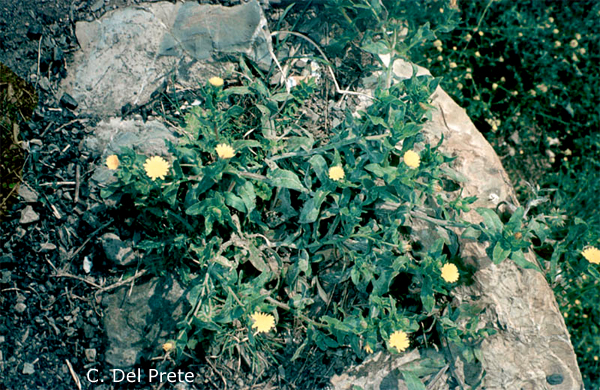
x=28, y=215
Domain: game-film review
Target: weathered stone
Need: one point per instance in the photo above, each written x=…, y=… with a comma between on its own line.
x=129, y=53
x=117, y=251
x=28, y=215
x=27, y=194
x=532, y=342
x=143, y=320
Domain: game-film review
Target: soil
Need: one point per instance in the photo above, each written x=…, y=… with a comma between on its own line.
x=50, y=318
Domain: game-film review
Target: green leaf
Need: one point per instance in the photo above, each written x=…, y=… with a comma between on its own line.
x=490, y=219
x=234, y=201
x=499, y=254
x=310, y=211
x=515, y=220
x=412, y=381
x=286, y=179
x=319, y=165
x=519, y=258
x=238, y=91
x=248, y=196
x=471, y=233
x=378, y=47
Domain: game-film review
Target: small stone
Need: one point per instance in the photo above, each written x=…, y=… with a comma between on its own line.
x=20, y=307
x=97, y=5
x=47, y=246
x=45, y=84
x=28, y=369
x=68, y=101
x=27, y=194
x=555, y=379
x=2, y=339
x=116, y=250
x=34, y=31
x=90, y=354
x=301, y=63
x=28, y=215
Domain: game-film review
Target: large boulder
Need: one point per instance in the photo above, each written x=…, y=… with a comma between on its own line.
x=532, y=348
x=129, y=53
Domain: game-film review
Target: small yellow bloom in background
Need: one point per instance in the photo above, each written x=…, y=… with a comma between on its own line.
x=112, y=162
x=555, y=31
x=557, y=44
x=437, y=43
x=224, y=151
x=262, y=322
x=468, y=37
x=368, y=349
x=399, y=340
x=578, y=36
x=453, y=65
x=449, y=273
x=573, y=43
x=336, y=173
x=477, y=54
x=582, y=51
x=156, y=167
x=480, y=33
x=412, y=159
x=168, y=346
x=591, y=254
x=494, y=86
x=216, y=81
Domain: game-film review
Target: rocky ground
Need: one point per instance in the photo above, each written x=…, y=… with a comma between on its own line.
x=51, y=330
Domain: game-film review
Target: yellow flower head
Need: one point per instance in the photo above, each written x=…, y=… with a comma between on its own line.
x=216, y=81
x=591, y=254
x=224, y=151
x=450, y=273
x=263, y=322
x=168, y=346
x=412, y=159
x=112, y=162
x=336, y=173
x=368, y=349
x=399, y=340
x=156, y=167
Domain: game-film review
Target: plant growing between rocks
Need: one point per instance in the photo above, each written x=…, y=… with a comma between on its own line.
x=291, y=237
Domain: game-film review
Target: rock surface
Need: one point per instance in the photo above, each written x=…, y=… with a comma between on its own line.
x=118, y=252
x=142, y=321
x=532, y=343
x=109, y=136
x=129, y=53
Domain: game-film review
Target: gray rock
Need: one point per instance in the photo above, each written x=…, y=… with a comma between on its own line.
x=142, y=321
x=110, y=136
x=28, y=369
x=90, y=354
x=47, y=247
x=28, y=215
x=20, y=307
x=130, y=52
x=117, y=251
x=27, y=194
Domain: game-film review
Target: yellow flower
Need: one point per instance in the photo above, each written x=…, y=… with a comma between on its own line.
x=412, y=159
x=169, y=345
x=368, y=349
x=399, y=340
x=156, y=167
x=450, y=273
x=263, y=322
x=112, y=162
x=591, y=254
x=216, y=81
x=336, y=173
x=224, y=151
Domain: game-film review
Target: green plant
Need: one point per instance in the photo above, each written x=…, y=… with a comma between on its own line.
x=271, y=221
